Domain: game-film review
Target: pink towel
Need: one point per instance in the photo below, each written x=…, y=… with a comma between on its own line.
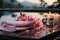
x=9, y=28
x=37, y=25
x=12, y=25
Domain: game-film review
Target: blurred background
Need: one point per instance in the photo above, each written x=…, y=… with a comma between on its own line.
x=28, y=3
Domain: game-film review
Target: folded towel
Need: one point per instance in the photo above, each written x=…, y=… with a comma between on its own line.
x=12, y=25
x=37, y=25
x=9, y=28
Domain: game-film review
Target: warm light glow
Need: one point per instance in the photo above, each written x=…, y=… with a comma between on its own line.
x=50, y=1
x=57, y=14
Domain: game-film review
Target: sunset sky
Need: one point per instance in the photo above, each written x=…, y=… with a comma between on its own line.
x=37, y=1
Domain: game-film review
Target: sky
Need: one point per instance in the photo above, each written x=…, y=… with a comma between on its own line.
x=37, y=1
